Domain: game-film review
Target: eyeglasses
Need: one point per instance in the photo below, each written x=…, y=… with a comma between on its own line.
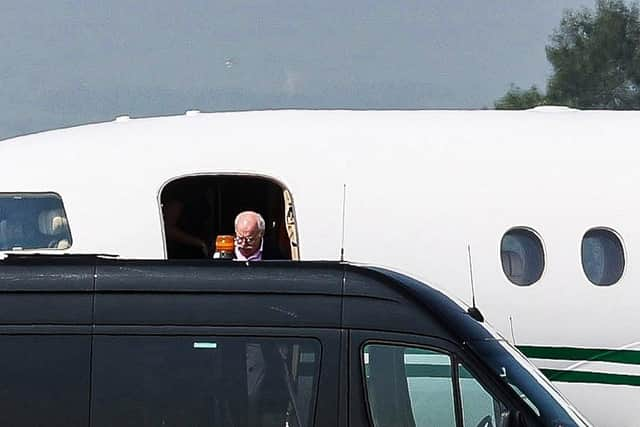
x=245, y=240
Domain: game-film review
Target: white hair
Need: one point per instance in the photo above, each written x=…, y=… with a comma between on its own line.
x=261, y=223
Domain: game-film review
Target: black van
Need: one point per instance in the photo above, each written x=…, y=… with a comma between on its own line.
x=89, y=341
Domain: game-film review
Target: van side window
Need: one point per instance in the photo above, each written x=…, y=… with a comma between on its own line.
x=204, y=381
x=33, y=221
x=408, y=387
x=414, y=387
x=479, y=407
x=45, y=380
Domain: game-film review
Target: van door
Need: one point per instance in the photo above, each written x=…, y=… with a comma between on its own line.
x=402, y=380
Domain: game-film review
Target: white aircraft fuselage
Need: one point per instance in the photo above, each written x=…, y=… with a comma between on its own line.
x=420, y=187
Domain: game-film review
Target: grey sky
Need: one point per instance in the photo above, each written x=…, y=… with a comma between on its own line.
x=71, y=62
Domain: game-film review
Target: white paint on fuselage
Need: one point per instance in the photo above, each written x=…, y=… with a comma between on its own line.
x=611, y=406
x=421, y=185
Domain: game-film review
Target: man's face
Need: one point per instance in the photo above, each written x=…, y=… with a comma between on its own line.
x=248, y=237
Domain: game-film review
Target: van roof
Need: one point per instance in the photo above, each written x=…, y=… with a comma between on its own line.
x=94, y=290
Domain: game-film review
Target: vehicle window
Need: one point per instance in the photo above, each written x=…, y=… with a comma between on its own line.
x=522, y=256
x=408, y=387
x=479, y=407
x=33, y=221
x=204, y=381
x=45, y=380
x=602, y=257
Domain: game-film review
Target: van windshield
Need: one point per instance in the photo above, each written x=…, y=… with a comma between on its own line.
x=33, y=221
x=528, y=383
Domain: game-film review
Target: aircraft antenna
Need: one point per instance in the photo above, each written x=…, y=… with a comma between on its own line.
x=513, y=336
x=344, y=204
x=473, y=311
x=473, y=291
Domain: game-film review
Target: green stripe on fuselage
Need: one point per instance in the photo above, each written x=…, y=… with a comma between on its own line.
x=626, y=357
x=591, y=377
x=631, y=357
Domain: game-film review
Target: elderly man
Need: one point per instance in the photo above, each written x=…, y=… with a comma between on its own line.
x=249, y=243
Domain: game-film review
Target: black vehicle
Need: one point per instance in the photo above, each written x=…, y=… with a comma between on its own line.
x=90, y=341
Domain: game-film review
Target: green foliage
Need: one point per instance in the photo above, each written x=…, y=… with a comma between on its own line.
x=596, y=60
x=519, y=99
x=596, y=57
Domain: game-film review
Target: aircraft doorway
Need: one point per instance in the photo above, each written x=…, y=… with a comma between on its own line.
x=198, y=208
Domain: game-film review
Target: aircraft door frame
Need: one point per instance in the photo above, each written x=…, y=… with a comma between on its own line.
x=288, y=220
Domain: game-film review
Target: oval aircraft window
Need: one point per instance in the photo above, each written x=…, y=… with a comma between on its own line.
x=602, y=256
x=522, y=256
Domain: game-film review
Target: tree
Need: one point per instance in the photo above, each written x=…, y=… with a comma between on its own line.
x=519, y=99
x=595, y=57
